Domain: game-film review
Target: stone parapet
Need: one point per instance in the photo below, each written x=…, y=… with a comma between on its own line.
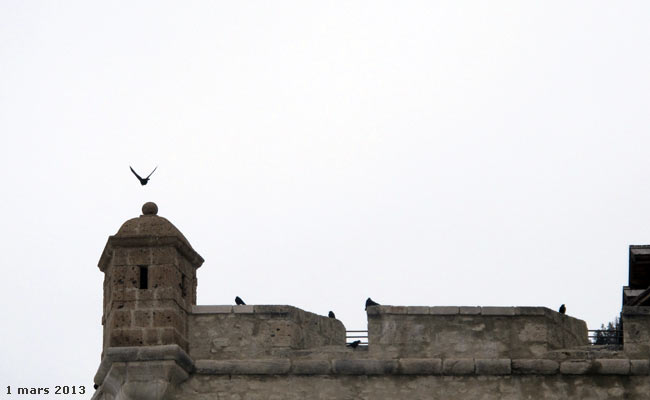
x=478, y=332
x=258, y=331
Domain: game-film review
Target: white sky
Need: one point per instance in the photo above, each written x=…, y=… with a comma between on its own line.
x=317, y=153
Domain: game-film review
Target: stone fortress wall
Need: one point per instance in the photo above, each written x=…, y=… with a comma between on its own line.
x=158, y=344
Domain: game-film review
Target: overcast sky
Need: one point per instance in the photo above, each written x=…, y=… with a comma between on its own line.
x=317, y=153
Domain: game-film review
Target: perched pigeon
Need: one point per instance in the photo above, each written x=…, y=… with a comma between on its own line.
x=369, y=303
x=354, y=344
x=562, y=309
x=239, y=301
x=145, y=180
x=331, y=314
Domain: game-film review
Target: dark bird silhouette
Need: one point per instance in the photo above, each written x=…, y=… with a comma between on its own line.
x=239, y=301
x=143, y=181
x=562, y=309
x=95, y=386
x=331, y=314
x=369, y=303
x=354, y=344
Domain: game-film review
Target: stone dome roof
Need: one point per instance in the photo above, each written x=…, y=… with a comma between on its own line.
x=149, y=230
x=150, y=225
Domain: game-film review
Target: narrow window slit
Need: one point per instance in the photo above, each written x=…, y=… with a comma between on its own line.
x=144, y=277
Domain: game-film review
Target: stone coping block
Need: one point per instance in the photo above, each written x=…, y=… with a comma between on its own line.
x=417, y=310
x=364, y=367
x=639, y=367
x=273, y=309
x=532, y=310
x=535, y=367
x=387, y=309
x=420, y=366
x=458, y=366
x=245, y=309
x=575, y=367
x=461, y=310
x=211, y=309
x=311, y=367
x=171, y=352
x=373, y=310
x=612, y=366
x=493, y=366
x=443, y=310
x=497, y=310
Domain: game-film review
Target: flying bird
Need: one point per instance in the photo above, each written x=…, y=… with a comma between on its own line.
x=239, y=301
x=331, y=314
x=369, y=303
x=354, y=344
x=143, y=181
x=562, y=309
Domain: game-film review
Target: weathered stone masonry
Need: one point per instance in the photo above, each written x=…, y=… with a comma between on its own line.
x=158, y=344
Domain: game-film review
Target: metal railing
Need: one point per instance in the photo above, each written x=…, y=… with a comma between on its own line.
x=351, y=336
x=596, y=336
x=605, y=336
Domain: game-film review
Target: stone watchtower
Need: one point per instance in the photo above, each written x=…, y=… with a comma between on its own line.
x=149, y=283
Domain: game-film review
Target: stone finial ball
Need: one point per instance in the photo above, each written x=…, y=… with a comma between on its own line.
x=149, y=208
